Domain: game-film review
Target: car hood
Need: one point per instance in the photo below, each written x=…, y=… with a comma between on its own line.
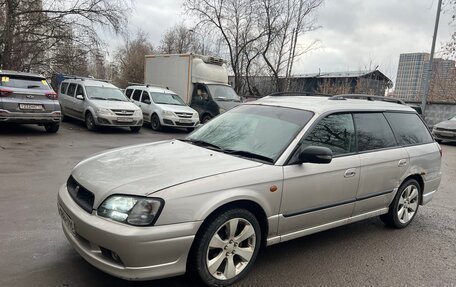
x=115, y=105
x=148, y=168
x=175, y=108
x=451, y=125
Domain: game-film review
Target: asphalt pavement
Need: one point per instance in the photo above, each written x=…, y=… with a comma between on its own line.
x=34, y=251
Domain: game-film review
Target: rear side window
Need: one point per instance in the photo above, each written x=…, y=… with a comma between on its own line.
x=128, y=93
x=24, y=82
x=373, y=132
x=63, y=88
x=408, y=128
x=71, y=89
x=136, y=95
x=335, y=132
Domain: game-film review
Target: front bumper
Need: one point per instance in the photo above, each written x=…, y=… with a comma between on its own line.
x=172, y=121
x=145, y=252
x=119, y=121
x=444, y=135
x=29, y=117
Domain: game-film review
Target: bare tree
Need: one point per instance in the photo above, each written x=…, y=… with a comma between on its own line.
x=33, y=30
x=450, y=46
x=179, y=39
x=130, y=59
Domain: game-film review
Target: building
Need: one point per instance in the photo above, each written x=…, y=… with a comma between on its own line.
x=372, y=82
x=412, y=73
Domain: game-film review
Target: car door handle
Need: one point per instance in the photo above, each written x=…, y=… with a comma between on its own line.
x=350, y=172
x=402, y=162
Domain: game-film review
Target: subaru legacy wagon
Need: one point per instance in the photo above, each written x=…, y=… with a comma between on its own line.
x=262, y=173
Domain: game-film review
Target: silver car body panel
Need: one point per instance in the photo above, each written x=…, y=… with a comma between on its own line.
x=194, y=182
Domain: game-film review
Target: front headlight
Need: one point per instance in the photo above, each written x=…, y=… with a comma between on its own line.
x=137, y=113
x=134, y=210
x=104, y=112
x=168, y=113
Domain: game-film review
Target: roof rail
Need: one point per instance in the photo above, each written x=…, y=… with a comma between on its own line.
x=147, y=85
x=72, y=77
x=308, y=94
x=367, y=97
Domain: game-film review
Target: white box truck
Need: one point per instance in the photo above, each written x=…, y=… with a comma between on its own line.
x=201, y=81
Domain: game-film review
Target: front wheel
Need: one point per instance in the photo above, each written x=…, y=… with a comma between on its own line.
x=206, y=118
x=404, y=206
x=135, y=129
x=155, y=123
x=51, y=128
x=90, y=122
x=227, y=247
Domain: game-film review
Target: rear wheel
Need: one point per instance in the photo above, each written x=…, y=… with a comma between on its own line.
x=135, y=129
x=404, y=206
x=227, y=247
x=90, y=122
x=155, y=123
x=52, y=128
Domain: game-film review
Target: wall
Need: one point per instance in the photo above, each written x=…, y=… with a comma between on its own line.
x=438, y=111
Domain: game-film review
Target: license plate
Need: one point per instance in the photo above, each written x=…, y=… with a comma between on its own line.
x=67, y=221
x=125, y=120
x=185, y=121
x=30, y=107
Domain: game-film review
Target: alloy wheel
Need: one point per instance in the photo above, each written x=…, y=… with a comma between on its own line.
x=408, y=204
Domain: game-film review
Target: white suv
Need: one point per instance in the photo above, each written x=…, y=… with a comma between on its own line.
x=162, y=107
x=98, y=103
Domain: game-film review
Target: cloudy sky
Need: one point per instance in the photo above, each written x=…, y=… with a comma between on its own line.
x=353, y=34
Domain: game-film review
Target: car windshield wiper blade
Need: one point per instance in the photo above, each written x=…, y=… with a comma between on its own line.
x=114, y=99
x=249, y=154
x=203, y=143
x=33, y=86
x=98, y=98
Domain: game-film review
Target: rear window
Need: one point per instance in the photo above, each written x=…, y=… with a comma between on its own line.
x=24, y=82
x=408, y=128
x=373, y=132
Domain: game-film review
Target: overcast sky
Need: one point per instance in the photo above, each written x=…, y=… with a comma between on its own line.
x=353, y=33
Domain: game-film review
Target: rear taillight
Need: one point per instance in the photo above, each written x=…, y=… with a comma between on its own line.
x=5, y=92
x=52, y=95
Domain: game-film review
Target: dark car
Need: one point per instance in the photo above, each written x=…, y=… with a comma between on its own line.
x=445, y=131
x=27, y=98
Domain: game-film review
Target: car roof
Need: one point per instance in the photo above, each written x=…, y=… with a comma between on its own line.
x=152, y=89
x=320, y=105
x=16, y=73
x=90, y=83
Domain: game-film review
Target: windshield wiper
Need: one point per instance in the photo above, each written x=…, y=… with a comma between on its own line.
x=98, y=98
x=33, y=86
x=203, y=143
x=248, y=154
x=114, y=99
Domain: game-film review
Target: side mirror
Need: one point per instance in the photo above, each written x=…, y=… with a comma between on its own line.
x=147, y=102
x=80, y=97
x=315, y=154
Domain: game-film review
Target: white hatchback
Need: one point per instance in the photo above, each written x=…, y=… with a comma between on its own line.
x=162, y=107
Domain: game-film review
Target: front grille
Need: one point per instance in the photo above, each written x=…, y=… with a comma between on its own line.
x=184, y=115
x=445, y=130
x=80, y=195
x=123, y=112
x=184, y=124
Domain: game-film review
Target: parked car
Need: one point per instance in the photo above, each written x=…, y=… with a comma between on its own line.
x=98, y=103
x=27, y=98
x=162, y=107
x=262, y=173
x=445, y=131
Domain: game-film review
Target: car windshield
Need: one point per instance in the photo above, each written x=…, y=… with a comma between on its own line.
x=24, y=82
x=105, y=93
x=223, y=93
x=252, y=131
x=167, y=99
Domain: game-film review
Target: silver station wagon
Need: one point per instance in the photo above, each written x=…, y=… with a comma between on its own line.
x=260, y=174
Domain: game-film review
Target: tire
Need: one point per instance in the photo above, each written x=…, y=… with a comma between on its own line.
x=190, y=129
x=135, y=129
x=226, y=247
x=155, y=123
x=409, y=194
x=206, y=118
x=90, y=122
x=52, y=128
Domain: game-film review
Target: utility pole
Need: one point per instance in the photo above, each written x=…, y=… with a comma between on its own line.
x=431, y=60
